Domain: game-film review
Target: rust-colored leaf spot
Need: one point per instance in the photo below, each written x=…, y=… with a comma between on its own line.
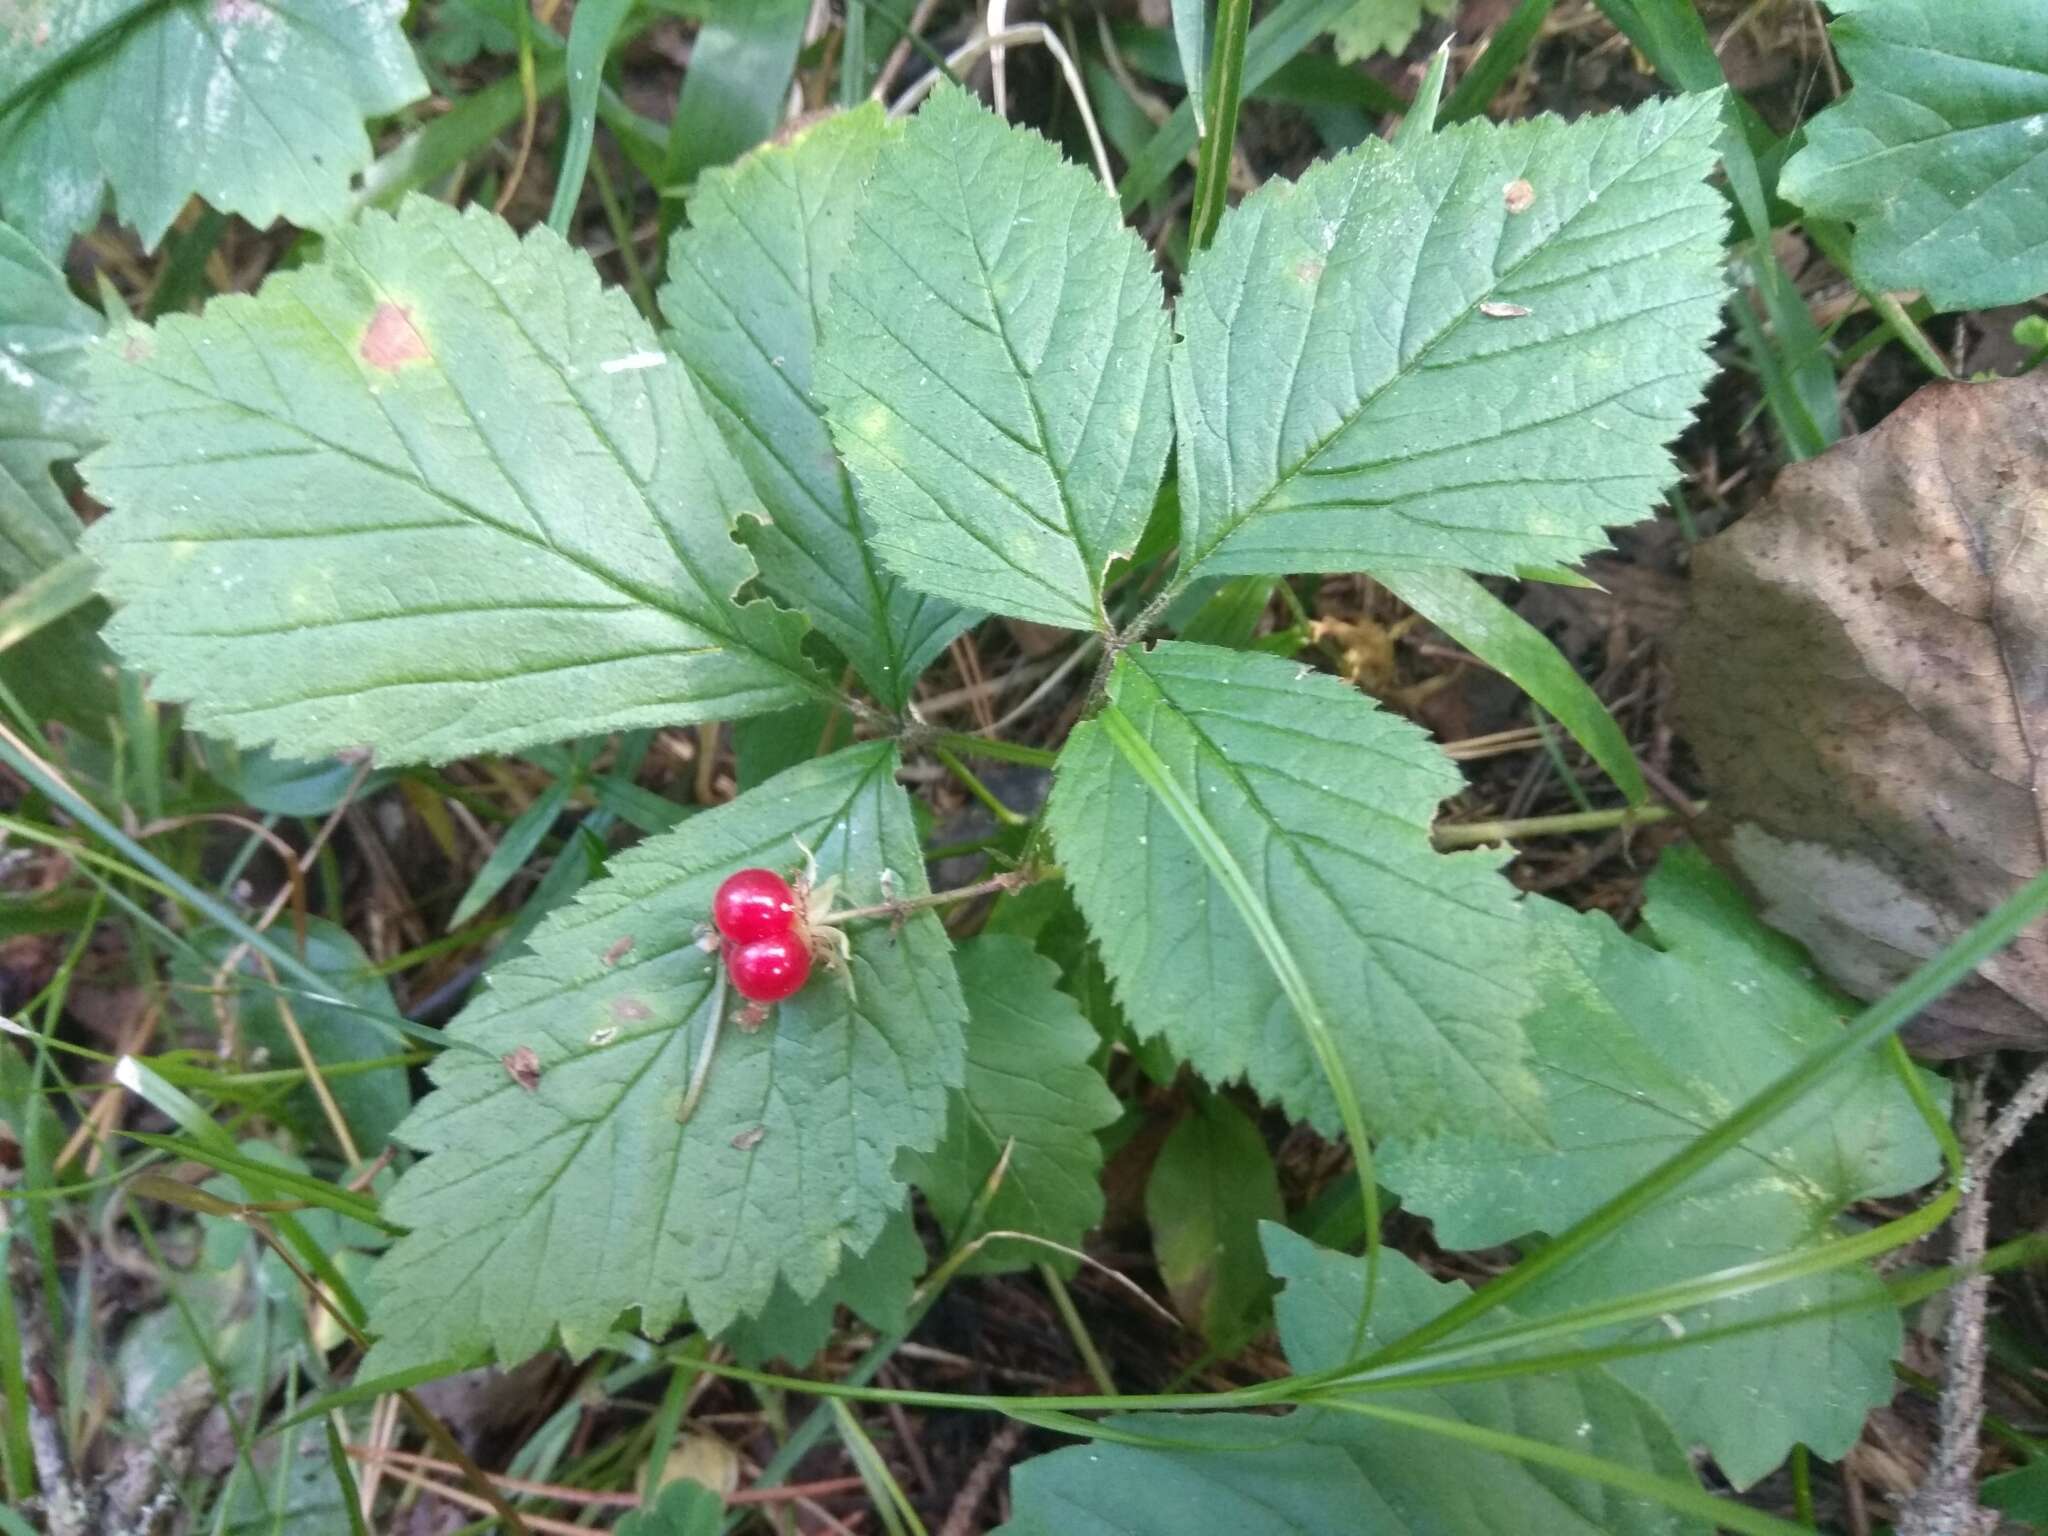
x=620, y=949
x=630, y=1009
x=1308, y=272
x=523, y=1067
x=1503, y=311
x=1518, y=195
x=392, y=340
x=749, y=1139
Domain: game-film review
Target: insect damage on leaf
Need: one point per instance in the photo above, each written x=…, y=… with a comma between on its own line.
x=522, y=1065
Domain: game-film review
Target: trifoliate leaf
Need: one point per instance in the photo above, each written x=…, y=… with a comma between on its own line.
x=1381, y=26
x=1396, y=360
x=876, y=1285
x=747, y=282
x=1248, y=840
x=1030, y=1086
x=1211, y=1187
x=255, y=105
x=562, y=1205
x=1642, y=1047
x=1939, y=154
x=440, y=493
x=994, y=360
x=1323, y=1472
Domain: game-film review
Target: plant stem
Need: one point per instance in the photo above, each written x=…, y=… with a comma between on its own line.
x=902, y=907
x=1077, y=1330
x=997, y=751
x=1473, y=834
x=967, y=777
x=1226, y=77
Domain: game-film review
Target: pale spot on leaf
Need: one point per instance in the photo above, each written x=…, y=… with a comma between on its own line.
x=749, y=1139
x=620, y=948
x=1503, y=311
x=392, y=340
x=630, y=1009
x=1518, y=195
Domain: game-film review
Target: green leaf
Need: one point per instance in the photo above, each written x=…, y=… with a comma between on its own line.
x=876, y=1285
x=1248, y=840
x=1191, y=39
x=2022, y=1493
x=1640, y=1047
x=562, y=1207
x=287, y=786
x=593, y=31
x=255, y=105
x=994, y=363
x=1031, y=1086
x=736, y=88
x=519, y=843
x=1382, y=26
x=746, y=285
x=764, y=745
x=1505, y=641
x=1322, y=1473
x=1939, y=155
x=1211, y=1188
x=440, y=493
x=682, y=1508
x=45, y=335
x=58, y=669
x=337, y=1032
x=1383, y=365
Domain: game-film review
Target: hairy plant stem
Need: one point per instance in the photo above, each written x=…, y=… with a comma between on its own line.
x=904, y=906
x=1946, y=1504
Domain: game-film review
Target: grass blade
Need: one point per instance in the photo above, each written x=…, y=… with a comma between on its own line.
x=591, y=36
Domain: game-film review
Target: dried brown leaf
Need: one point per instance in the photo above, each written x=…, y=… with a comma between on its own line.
x=1865, y=678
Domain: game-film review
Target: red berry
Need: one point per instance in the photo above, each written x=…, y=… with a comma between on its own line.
x=770, y=969
x=754, y=904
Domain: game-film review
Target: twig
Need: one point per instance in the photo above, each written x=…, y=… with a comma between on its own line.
x=147, y=1486
x=904, y=906
x=1945, y=1504
x=1032, y=699
x=67, y=1509
x=900, y=54
x=337, y=1122
x=1001, y=1447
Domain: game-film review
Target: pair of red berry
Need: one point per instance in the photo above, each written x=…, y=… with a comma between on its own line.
x=767, y=950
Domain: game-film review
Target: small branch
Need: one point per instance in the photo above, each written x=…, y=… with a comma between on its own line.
x=896, y=911
x=967, y=1503
x=1945, y=1504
